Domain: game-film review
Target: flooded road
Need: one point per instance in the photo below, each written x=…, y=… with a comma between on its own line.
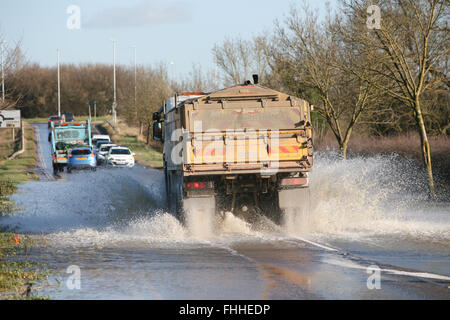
x=113, y=226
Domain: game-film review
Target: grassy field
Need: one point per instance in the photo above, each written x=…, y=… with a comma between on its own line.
x=147, y=155
x=78, y=118
x=17, y=277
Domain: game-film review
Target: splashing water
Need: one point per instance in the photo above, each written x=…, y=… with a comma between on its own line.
x=359, y=197
x=373, y=196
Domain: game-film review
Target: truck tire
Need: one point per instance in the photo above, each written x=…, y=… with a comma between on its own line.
x=295, y=207
x=199, y=215
x=166, y=184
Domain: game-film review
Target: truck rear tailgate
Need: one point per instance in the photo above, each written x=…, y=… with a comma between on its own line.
x=247, y=147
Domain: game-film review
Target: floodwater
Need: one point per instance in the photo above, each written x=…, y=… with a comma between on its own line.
x=113, y=226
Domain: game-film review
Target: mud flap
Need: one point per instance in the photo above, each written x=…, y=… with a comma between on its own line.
x=200, y=215
x=295, y=206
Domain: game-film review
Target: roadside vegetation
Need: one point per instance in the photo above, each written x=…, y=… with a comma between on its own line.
x=18, y=170
x=18, y=276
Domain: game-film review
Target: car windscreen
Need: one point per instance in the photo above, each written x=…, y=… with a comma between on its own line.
x=100, y=142
x=70, y=134
x=120, y=151
x=105, y=149
x=81, y=152
x=55, y=118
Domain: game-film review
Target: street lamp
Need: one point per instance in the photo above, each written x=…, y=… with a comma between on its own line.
x=114, y=67
x=59, y=84
x=172, y=66
x=135, y=82
x=3, y=74
x=94, y=104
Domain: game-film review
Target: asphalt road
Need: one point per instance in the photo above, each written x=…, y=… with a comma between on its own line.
x=112, y=227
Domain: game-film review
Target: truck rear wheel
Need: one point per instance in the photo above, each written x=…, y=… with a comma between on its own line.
x=295, y=206
x=56, y=168
x=166, y=184
x=198, y=215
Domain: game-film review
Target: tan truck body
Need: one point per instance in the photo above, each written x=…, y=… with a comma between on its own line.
x=242, y=139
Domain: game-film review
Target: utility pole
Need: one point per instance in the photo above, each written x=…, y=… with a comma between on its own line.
x=59, y=85
x=135, y=82
x=3, y=74
x=172, y=66
x=114, y=67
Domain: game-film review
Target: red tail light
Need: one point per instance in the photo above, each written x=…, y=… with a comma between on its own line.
x=294, y=181
x=199, y=185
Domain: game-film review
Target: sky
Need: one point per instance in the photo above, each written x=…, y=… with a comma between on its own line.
x=179, y=31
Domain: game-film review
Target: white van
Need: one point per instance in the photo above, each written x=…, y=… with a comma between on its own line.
x=97, y=137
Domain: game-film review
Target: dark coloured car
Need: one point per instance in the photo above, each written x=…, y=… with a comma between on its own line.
x=53, y=118
x=68, y=117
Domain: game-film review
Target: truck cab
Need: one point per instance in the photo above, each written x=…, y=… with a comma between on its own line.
x=66, y=136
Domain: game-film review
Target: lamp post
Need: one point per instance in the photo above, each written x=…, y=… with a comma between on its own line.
x=135, y=82
x=59, y=84
x=114, y=67
x=3, y=73
x=172, y=66
x=93, y=103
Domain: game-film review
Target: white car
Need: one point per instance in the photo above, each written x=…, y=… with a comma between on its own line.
x=103, y=151
x=120, y=156
x=97, y=137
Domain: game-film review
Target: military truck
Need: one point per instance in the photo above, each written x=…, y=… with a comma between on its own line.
x=66, y=136
x=246, y=142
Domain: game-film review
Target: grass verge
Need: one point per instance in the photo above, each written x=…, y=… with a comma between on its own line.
x=147, y=155
x=17, y=276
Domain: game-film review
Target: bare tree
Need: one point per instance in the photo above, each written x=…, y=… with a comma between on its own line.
x=197, y=81
x=407, y=51
x=239, y=59
x=312, y=56
x=14, y=61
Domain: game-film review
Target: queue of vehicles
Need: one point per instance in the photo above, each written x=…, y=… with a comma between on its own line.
x=73, y=146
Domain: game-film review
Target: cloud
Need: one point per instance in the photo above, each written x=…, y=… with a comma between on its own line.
x=142, y=14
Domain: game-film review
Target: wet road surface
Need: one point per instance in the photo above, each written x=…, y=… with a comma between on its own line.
x=113, y=225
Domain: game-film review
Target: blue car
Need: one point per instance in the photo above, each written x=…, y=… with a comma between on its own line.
x=81, y=158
